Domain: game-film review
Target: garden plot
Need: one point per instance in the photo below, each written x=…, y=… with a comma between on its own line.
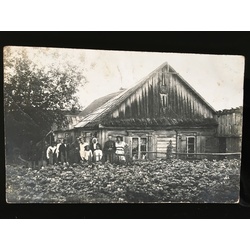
x=142, y=181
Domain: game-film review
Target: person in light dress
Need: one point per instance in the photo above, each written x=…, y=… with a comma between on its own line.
x=120, y=150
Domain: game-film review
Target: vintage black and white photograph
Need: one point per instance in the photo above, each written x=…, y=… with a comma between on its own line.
x=103, y=126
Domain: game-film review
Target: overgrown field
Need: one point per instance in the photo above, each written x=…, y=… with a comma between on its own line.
x=149, y=181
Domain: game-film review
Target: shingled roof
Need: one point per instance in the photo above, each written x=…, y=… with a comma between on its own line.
x=99, y=102
x=107, y=101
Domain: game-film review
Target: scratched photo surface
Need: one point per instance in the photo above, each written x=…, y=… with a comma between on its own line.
x=96, y=126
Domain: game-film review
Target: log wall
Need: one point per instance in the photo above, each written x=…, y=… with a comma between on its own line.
x=163, y=139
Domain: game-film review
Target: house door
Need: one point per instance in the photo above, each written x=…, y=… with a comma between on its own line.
x=222, y=145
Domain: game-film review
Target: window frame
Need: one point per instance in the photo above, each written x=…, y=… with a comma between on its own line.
x=195, y=146
x=139, y=156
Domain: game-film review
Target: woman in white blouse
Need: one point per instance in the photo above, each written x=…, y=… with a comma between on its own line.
x=82, y=144
x=120, y=149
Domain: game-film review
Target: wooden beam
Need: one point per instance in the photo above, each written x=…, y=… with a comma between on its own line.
x=236, y=153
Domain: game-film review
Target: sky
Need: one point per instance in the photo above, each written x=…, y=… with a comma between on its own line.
x=217, y=78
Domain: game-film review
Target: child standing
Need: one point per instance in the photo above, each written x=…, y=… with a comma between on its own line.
x=97, y=154
x=88, y=154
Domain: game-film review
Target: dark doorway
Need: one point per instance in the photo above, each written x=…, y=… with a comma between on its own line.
x=222, y=145
x=190, y=146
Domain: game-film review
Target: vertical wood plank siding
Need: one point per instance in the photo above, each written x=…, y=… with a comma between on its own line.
x=177, y=101
x=229, y=123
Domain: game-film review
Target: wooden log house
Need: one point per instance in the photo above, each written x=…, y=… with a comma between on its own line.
x=161, y=108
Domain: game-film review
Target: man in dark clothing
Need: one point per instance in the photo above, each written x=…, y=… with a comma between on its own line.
x=109, y=150
x=63, y=151
x=74, y=154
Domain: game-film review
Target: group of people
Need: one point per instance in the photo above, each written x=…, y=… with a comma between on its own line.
x=82, y=151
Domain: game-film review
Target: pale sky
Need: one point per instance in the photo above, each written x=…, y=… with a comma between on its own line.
x=217, y=78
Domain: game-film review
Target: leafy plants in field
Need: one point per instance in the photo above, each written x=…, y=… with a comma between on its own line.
x=142, y=181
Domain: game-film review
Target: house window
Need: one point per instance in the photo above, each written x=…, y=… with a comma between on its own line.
x=143, y=148
x=164, y=100
x=163, y=82
x=135, y=148
x=190, y=146
x=139, y=146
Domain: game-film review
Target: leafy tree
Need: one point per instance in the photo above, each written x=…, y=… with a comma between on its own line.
x=36, y=95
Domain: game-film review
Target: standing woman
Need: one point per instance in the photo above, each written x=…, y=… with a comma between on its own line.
x=82, y=145
x=120, y=150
